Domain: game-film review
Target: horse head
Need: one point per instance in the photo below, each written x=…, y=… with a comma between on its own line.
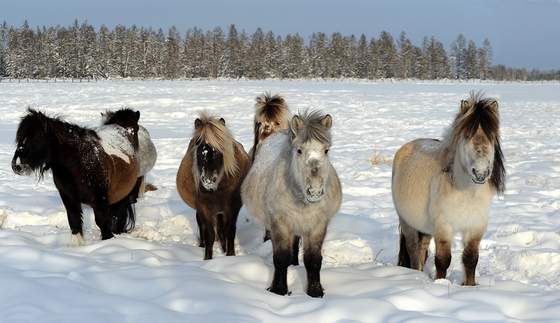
x=214, y=157
x=32, y=140
x=477, y=154
x=210, y=162
x=311, y=140
x=272, y=114
x=476, y=133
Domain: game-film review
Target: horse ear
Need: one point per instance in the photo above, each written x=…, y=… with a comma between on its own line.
x=464, y=106
x=137, y=115
x=327, y=121
x=197, y=123
x=223, y=121
x=297, y=123
x=494, y=107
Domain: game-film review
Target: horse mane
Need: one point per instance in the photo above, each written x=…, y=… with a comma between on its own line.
x=271, y=107
x=122, y=116
x=52, y=128
x=477, y=111
x=312, y=128
x=215, y=133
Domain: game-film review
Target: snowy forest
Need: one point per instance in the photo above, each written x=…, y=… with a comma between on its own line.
x=81, y=52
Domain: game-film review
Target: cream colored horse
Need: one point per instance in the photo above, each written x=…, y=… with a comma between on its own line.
x=444, y=187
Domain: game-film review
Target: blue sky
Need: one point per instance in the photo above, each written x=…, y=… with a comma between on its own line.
x=523, y=33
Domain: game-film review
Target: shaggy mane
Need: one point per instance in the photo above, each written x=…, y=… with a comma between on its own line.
x=313, y=128
x=476, y=111
x=271, y=108
x=217, y=135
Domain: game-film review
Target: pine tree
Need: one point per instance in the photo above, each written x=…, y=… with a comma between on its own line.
x=387, y=55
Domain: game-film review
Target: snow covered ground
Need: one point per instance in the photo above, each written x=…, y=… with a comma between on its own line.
x=156, y=273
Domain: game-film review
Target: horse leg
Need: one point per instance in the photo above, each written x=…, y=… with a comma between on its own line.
x=220, y=230
x=207, y=226
x=295, y=251
x=267, y=235
x=231, y=227
x=312, y=258
x=424, y=242
x=281, y=257
x=470, y=255
x=135, y=192
x=409, y=249
x=103, y=219
x=201, y=228
x=443, y=239
x=142, y=186
x=75, y=221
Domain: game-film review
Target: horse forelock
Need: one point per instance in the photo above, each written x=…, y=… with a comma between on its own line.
x=217, y=135
x=271, y=108
x=313, y=129
x=477, y=112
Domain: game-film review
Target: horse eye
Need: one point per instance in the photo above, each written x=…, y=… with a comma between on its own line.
x=326, y=151
x=278, y=123
x=258, y=124
x=299, y=151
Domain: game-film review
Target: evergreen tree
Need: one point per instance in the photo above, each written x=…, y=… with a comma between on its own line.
x=458, y=49
x=387, y=55
x=172, y=54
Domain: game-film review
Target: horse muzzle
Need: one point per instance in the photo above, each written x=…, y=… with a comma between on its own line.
x=480, y=177
x=19, y=168
x=210, y=183
x=314, y=194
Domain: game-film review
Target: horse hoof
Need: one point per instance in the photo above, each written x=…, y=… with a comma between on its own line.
x=77, y=240
x=279, y=290
x=315, y=290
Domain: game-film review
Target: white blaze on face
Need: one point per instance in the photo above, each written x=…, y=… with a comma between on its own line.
x=313, y=170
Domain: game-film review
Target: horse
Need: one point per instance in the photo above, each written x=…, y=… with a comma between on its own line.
x=94, y=167
x=209, y=180
x=271, y=114
x=147, y=153
x=440, y=188
x=294, y=191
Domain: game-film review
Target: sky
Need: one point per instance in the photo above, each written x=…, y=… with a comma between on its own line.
x=523, y=33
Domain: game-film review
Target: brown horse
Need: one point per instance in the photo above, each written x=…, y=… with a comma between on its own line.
x=443, y=187
x=271, y=114
x=94, y=167
x=209, y=180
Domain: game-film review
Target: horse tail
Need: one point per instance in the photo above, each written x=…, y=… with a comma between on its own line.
x=123, y=214
x=404, y=257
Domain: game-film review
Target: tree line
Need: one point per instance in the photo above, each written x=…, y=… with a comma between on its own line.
x=79, y=51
